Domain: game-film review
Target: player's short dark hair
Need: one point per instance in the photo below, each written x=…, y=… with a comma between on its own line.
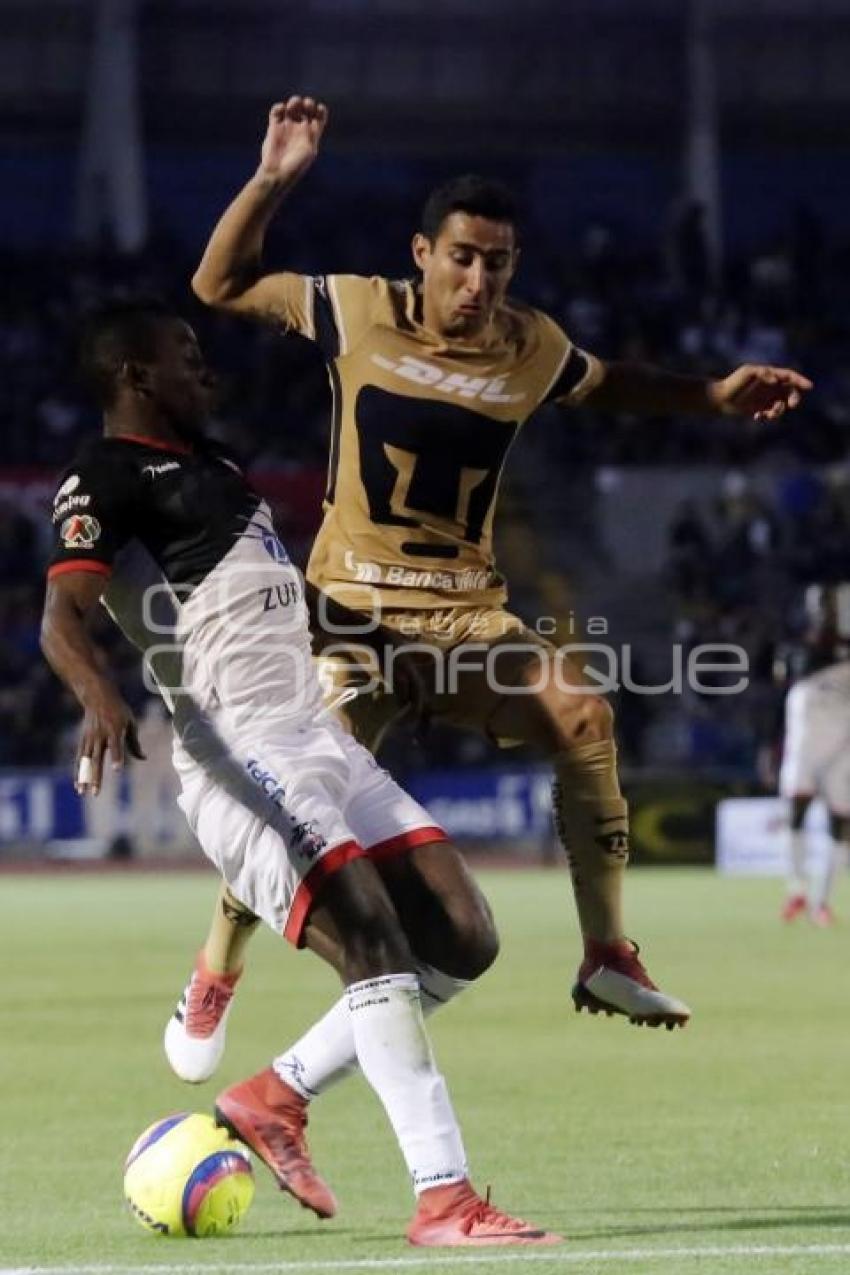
x=470, y=193
x=116, y=333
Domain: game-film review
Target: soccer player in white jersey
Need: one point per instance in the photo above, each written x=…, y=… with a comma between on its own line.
x=433, y=378
x=816, y=748
x=294, y=813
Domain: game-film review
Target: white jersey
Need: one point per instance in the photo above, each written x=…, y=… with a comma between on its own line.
x=245, y=638
x=198, y=580
x=219, y=608
x=816, y=747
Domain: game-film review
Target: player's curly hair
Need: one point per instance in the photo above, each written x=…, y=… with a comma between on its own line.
x=469, y=193
x=115, y=333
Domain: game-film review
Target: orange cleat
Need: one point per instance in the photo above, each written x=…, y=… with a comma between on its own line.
x=612, y=980
x=822, y=916
x=795, y=905
x=455, y=1216
x=271, y=1119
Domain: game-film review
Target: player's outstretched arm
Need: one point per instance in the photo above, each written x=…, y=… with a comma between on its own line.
x=108, y=724
x=761, y=392
x=230, y=276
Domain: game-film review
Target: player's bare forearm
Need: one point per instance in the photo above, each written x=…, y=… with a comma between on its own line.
x=761, y=392
x=108, y=723
x=232, y=260
x=230, y=273
x=65, y=640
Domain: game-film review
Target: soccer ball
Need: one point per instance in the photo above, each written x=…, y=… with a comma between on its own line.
x=185, y=1176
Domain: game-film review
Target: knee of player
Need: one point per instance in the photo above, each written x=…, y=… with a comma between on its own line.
x=370, y=933
x=476, y=942
x=799, y=809
x=584, y=719
x=374, y=940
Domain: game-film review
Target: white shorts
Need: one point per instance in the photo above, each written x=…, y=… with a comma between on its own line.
x=816, y=748
x=277, y=816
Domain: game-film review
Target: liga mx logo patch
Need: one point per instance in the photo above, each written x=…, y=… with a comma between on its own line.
x=79, y=531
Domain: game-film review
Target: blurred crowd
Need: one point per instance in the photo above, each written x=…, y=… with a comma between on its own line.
x=782, y=304
x=734, y=568
x=737, y=572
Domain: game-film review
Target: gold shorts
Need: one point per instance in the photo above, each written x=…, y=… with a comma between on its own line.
x=458, y=665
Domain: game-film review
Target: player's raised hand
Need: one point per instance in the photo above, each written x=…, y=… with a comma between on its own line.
x=764, y=393
x=292, y=139
x=109, y=725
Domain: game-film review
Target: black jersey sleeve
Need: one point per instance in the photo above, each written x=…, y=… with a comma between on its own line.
x=92, y=514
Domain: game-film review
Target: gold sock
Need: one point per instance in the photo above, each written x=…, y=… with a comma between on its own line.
x=591, y=818
x=231, y=928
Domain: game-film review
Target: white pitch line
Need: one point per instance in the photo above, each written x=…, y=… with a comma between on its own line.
x=561, y=1257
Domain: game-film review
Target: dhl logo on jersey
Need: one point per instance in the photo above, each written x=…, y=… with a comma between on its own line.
x=487, y=389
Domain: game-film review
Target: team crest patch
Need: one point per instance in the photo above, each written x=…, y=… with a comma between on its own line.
x=79, y=531
x=307, y=841
x=274, y=548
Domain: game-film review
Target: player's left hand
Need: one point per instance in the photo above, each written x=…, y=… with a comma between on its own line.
x=764, y=393
x=108, y=727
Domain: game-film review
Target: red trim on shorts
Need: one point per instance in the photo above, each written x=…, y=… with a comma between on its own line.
x=406, y=841
x=79, y=564
x=308, y=888
x=153, y=442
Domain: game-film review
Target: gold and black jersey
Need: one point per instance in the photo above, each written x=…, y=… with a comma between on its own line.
x=421, y=430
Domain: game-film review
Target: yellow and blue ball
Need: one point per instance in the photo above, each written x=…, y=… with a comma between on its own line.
x=185, y=1176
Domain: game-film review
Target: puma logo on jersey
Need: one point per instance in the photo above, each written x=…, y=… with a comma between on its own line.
x=70, y=503
x=70, y=484
x=487, y=389
x=156, y=470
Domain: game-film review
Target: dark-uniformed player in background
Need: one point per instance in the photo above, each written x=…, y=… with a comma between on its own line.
x=306, y=829
x=816, y=745
x=433, y=378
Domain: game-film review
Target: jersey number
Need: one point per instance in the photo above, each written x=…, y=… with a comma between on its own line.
x=421, y=459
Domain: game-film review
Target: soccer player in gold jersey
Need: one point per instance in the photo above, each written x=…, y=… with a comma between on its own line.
x=432, y=381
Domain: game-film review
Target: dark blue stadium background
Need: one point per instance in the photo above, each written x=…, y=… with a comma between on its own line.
x=588, y=113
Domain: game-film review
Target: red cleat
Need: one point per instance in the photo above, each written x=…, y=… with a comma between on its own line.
x=822, y=916
x=195, y=1033
x=795, y=905
x=612, y=980
x=271, y=1119
x=456, y=1216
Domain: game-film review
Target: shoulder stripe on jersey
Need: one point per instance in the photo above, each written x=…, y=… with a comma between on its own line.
x=79, y=564
x=309, y=308
x=336, y=425
x=337, y=314
x=152, y=442
x=574, y=368
x=326, y=332
x=403, y=301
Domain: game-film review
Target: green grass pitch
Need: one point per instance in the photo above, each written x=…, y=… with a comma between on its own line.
x=722, y=1149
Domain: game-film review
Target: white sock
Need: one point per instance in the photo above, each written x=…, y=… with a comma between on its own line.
x=395, y=1056
x=323, y=1055
x=796, y=861
x=436, y=988
x=326, y=1053
x=823, y=887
